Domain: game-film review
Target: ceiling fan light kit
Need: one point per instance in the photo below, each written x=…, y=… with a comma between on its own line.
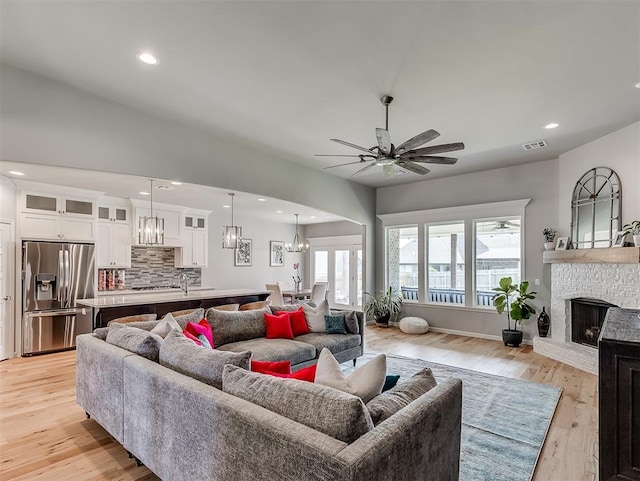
x=406, y=156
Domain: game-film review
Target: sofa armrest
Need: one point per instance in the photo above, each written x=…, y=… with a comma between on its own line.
x=420, y=442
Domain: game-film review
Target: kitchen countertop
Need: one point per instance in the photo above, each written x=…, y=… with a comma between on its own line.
x=152, y=297
x=126, y=292
x=621, y=325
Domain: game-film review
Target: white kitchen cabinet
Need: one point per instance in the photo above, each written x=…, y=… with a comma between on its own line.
x=193, y=221
x=171, y=225
x=57, y=227
x=53, y=204
x=194, y=252
x=113, y=213
x=113, y=245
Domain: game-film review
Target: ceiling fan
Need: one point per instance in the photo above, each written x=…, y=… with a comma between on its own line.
x=505, y=225
x=406, y=155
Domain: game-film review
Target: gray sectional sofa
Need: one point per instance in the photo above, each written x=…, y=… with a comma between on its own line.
x=184, y=429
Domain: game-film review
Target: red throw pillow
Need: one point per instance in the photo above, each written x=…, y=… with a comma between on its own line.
x=298, y=322
x=203, y=328
x=188, y=335
x=280, y=367
x=305, y=374
x=278, y=327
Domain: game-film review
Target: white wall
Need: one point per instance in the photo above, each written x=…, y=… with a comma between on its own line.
x=534, y=181
x=620, y=151
x=7, y=199
x=221, y=272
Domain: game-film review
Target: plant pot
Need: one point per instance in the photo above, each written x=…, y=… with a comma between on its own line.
x=383, y=321
x=511, y=337
x=549, y=246
x=636, y=240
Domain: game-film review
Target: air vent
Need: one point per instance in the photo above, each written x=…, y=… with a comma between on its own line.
x=538, y=144
x=164, y=187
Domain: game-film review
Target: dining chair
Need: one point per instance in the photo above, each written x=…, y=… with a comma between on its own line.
x=276, y=294
x=285, y=286
x=319, y=292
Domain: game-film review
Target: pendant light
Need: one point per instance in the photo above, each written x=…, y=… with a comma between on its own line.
x=231, y=234
x=298, y=244
x=151, y=229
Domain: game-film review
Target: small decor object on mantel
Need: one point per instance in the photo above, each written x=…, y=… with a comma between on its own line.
x=549, y=238
x=562, y=244
x=384, y=306
x=633, y=229
x=512, y=299
x=243, y=253
x=544, y=322
x=618, y=239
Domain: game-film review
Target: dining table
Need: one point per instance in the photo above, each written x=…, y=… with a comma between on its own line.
x=293, y=295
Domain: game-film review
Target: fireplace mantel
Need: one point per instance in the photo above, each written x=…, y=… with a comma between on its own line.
x=613, y=255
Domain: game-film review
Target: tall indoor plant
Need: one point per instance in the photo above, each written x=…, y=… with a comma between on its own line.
x=512, y=299
x=384, y=306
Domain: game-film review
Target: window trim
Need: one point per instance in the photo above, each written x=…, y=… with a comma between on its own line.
x=467, y=214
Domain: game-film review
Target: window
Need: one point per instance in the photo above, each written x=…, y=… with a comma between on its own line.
x=445, y=260
x=457, y=255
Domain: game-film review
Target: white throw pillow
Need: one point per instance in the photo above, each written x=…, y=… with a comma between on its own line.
x=165, y=325
x=366, y=382
x=315, y=316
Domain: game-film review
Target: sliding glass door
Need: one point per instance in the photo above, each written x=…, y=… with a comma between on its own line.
x=341, y=267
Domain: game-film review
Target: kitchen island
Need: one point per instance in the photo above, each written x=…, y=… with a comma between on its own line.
x=106, y=308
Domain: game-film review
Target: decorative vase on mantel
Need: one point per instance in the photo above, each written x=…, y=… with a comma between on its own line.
x=549, y=246
x=544, y=322
x=636, y=240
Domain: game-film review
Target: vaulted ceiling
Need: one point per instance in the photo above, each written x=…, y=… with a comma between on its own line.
x=289, y=75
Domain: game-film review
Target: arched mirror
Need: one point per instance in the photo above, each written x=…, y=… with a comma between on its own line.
x=596, y=208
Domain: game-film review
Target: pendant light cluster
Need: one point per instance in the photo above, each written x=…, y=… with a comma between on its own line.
x=231, y=234
x=298, y=244
x=151, y=229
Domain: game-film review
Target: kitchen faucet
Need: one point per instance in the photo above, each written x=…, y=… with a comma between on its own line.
x=184, y=282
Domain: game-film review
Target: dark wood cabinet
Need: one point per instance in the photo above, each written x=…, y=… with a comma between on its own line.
x=619, y=396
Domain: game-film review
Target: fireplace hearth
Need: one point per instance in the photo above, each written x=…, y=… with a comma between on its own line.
x=587, y=316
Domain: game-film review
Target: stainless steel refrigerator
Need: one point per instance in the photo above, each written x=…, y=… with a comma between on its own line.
x=54, y=276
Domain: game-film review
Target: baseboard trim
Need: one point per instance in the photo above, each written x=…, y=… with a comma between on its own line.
x=490, y=337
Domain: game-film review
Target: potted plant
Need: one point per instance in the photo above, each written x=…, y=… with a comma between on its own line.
x=633, y=228
x=549, y=238
x=512, y=299
x=384, y=306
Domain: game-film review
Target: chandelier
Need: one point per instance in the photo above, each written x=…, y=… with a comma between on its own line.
x=151, y=229
x=298, y=244
x=231, y=234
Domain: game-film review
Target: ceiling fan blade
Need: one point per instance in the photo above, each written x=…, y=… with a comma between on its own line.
x=349, y=144
x=384, y=141
x=435, y=149
x=335, y=155
x=431, y=159
x=362, y=170
x=415, y=168
x=340, y=165
x=416, y=141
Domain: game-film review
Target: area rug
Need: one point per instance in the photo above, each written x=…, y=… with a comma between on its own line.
x=504, y=421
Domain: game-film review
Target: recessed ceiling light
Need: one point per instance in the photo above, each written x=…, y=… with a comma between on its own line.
x=175, y=182
x=262, y=200
x=638, y=85
x=147, y=58
x=143, y=193
x=552, y=125
x=278, y=212
x=313, y=216
x=15, y=172
x=226, y=206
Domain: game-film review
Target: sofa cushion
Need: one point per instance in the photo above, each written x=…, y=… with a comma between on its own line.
x=182, y=355
x=390, y=402
x=337, y=414
x=315, y=316
x=233, y=326
x=334, y=342
x=165, y=325
x=195, y=316
x=366, y=382
x=274, y=349
x=335, y=324
x=351, y=321
x=140, y=342
x=278, y=326
x=101, y=333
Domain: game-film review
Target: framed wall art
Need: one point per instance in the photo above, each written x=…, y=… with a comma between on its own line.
x=276, y=254
x=243, y=253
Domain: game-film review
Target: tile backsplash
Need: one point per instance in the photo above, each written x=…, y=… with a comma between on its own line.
x=154, y=267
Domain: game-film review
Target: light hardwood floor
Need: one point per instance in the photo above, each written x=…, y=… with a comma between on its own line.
x=44, y=434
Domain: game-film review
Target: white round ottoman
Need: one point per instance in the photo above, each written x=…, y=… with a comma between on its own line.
x=413, y=325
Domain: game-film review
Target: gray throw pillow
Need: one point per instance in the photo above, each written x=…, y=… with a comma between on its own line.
x=133, y=339
x=351, y=321
x=335, y=413
x=165, y=325
x=101, y=333
x=196, y=316
x=234, y=326
x=390, y=402
x=184, y=356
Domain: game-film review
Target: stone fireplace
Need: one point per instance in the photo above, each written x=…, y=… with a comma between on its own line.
x=584, y=274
